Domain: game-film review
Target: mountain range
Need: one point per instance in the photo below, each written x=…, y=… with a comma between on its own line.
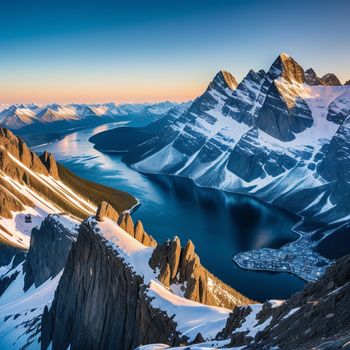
x=42, y=123
x=281, y=136
x=88, y=277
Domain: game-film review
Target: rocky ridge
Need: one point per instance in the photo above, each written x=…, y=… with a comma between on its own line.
x=83, y=319
x=276, y=128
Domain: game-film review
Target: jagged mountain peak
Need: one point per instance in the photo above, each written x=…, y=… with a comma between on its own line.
x=330, y=79
x=225, y=78
x=230, y=79
x=311, y=78
x=286, y=67
x=347, y=82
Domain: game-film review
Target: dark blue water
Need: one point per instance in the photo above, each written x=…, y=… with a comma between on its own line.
x=219, y=224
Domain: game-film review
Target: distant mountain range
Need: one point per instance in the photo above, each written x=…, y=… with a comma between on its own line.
x=282, y=136
x=43, y=123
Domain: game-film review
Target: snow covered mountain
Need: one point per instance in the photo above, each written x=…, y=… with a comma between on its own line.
x=280, y=135
x=96, y=286
x=74, y=274
x=39, y=124
x=17, y=117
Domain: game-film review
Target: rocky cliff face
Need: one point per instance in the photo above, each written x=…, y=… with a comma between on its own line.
x=48, y=251
x=316, y=318
x=105, y=210
x=181, y=267
x=100, y=302
x=331, y=79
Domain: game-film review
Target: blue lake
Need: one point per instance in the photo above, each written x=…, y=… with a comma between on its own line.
x=219, y=224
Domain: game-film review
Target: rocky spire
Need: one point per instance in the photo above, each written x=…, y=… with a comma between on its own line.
x=181, y=266
x=225, y=79
x=137, y=231
x=50, y=164
x=347, y=82
x=287, y=68
x=100, y=302
x=311, y=78
x=105, y=210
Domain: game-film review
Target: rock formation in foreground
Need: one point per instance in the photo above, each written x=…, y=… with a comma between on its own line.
x=100, y=302
x=181, y=266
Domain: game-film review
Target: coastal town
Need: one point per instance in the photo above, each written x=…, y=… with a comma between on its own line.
x=297, y=257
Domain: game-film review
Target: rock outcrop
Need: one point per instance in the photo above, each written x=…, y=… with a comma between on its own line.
x=137, y=231
x=100, y=302
x=48, y=252
x=311, y=78
x=181, y=266
x=230, y=79
x=330, y=79
x=17, y=148
x=11, y=255
x=288, y=69
x=105, y=210
x=50, y=164
x=347, y=82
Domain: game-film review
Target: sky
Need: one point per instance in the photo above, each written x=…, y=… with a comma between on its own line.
x=144, y=51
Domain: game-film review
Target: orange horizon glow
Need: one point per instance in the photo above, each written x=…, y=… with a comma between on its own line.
x=90, y=92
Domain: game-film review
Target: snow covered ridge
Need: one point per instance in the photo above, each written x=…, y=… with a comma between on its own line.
x=106, y=295
x=101, y=246
x=31, y=116
x=280, y=135
x=31, y=188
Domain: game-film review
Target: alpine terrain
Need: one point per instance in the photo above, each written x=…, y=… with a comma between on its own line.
x=76, y=275
x=281, y=136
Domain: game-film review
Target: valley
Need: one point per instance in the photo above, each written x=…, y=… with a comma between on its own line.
x=220, y=224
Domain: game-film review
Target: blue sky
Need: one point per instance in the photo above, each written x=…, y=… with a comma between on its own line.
x=97, y=51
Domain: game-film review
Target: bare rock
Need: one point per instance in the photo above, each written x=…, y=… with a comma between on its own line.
x=50, y=164
x=182, y=266
x=164, y=275
x=126, y=223
x=331, y=79
x=173, y=256
x=48, y=251
x=100, y=302
x=105, y=210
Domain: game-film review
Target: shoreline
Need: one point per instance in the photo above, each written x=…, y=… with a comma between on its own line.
x=293, y=229
x=299, y=234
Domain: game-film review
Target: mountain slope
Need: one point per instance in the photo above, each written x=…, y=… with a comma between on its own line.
x=34, y=187
x=278, y=135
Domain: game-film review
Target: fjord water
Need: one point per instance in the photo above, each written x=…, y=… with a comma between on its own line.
x=220, y=224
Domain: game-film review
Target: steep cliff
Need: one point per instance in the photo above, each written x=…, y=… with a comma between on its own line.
x=48, y=251
x=100, y=302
